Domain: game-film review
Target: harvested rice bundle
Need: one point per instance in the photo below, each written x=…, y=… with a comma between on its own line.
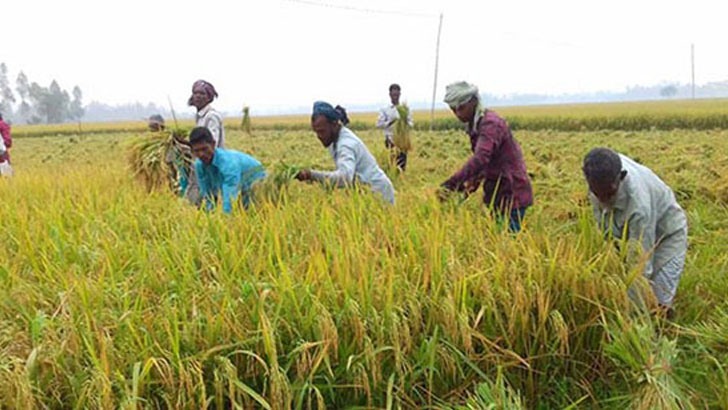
x=246, y=120
x=159, y=158
x=402, y=138
x=273, y=187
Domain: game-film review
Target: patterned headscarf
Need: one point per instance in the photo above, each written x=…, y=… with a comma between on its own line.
x=460, y=92
x=206, y=87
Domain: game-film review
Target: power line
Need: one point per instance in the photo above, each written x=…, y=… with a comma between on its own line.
x=692, y=67
x=362, y=10
x=395, y=13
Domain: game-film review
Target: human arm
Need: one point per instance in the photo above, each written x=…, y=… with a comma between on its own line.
x=345, y=169
x=253, y=173
x=641, y=231
x=382, y=120
x=488, y=140
x=387, y=117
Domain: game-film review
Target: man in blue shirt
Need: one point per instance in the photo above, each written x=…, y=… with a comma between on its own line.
x=223, y=172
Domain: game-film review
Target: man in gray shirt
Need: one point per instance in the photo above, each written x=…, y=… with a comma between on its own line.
x=630, y=200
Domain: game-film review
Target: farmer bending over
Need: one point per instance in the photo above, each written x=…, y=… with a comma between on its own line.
x=630, y=200
x=223, y=174
x=497, y=161
x=354, y=163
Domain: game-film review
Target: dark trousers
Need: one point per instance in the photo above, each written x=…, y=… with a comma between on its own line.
x=401, y=156
x=515, y=217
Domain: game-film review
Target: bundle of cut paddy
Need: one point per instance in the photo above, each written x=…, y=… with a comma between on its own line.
x=402, y=130
x=273, y=187
x=154, y=158
x=246, y=120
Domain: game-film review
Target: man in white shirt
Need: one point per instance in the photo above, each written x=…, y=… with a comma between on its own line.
x=355, y=165
x=630, y=201
x=387, y=117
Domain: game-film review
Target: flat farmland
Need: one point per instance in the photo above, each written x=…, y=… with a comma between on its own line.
x=116, y=297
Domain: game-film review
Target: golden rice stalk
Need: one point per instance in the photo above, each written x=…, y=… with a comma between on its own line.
x=154, y=158
x=402, y=138
x=273, y=187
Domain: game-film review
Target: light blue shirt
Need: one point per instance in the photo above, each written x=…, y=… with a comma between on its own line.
x=231, y=173
x=355, y=164
x=647, y=209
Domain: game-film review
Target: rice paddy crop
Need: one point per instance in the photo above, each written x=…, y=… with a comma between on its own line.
x=402, y=137
x=159, y=159
x=704, y=114
x=116, y=297
x=245, y=124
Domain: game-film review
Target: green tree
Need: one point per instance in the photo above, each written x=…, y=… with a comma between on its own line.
x=25, y=111
x=76, y=111
x=668, y=91
x=50, y=104
x=7, y=99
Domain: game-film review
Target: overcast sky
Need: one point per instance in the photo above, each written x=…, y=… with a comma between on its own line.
x=269, y=53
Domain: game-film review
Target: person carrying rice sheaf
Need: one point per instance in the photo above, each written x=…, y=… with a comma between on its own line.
x=175, y=155
x=631, y=202
x=155, y=123
x=354, y=163
x=223, y=175
x=388, y=116
x=497, y=161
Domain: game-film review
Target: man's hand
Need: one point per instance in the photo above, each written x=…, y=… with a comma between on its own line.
x=304, y=175
x=470, y=186
x=443, y=194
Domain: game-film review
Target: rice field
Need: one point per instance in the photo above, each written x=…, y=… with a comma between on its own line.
x=703, y=114
x=115, y=297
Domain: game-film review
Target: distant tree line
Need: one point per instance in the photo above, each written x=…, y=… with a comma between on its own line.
x=97, y=111
x=36, y=104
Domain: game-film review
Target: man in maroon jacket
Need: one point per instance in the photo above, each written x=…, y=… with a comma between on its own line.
x=5, y=143
x=497, y=161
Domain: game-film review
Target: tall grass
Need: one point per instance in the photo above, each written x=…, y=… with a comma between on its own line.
x=116, y=297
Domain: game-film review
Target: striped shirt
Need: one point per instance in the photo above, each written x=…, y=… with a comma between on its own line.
x=212, y=120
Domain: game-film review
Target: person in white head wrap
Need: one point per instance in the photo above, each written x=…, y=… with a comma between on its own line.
x=497, y=161
x=459, y=93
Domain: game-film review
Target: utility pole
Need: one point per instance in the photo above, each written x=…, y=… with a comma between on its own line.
x=692, y=65
x=434, y=87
